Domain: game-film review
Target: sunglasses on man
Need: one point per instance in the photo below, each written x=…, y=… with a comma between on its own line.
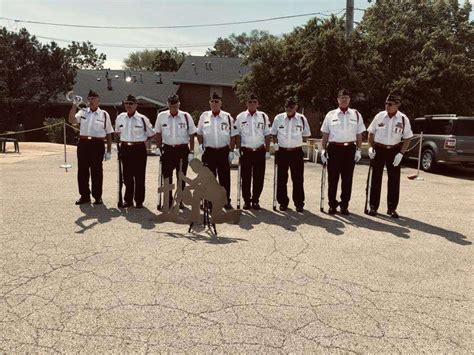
x=129, y=103
x=215, y=101
x=390, y=103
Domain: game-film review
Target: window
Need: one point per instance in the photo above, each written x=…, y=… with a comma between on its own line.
x=441, y=127
x=464, y=128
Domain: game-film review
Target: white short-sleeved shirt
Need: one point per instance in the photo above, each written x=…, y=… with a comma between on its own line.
x=252, y=128
x=290, y=131
x=133, y=129
x=343, y=126
x=390, y=131
x=216, y=130
x=94, y=123
x=175, y=129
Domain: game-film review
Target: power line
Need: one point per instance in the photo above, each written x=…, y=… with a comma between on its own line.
x=325, y=13
x=149, y=46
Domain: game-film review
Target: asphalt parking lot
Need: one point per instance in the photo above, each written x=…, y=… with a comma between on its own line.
x=97, y=279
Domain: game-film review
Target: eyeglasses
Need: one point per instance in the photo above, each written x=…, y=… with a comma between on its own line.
x=390, y=104
x=215, y=101
x=252, y=101
x=129, y=103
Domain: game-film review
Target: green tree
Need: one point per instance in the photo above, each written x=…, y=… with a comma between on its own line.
x=155, y=59
x=238, y=45
x=31, y=74
x=311, y=62
x=84, y=56
x=424, y=49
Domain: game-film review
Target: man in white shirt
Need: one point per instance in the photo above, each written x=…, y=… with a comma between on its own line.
x=95, y=128
x=216, y=133
x=288, y=130
x=134, y=129
x=175, y=131
x=341, y=148
x=389, y=138
x=253, y=143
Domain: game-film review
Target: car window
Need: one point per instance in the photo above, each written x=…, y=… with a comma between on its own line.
x=464, y=128
x=438, y=127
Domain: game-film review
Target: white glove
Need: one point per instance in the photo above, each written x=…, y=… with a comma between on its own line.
x=267, y=155
x=237, y=152
x=158, y=152
x=358, y=155
x=276, y=147
x=371, y=153
x=398, y=159
x=190, y=157
x=324, y=156
x=107, y=156
x=231, y=156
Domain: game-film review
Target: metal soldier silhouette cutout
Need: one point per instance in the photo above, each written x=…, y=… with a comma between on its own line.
x=203, y=187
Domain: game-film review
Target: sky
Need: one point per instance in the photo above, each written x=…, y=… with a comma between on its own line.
x=159, y=13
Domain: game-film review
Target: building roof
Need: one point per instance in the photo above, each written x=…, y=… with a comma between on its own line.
x=210, y=71
x=143, y=85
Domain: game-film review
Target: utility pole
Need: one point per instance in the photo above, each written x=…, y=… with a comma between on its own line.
x=349, y=17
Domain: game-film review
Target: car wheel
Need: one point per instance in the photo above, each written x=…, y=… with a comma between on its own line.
x=428, y=161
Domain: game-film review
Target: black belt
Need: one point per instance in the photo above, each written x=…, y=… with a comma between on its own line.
x=176, y=145
x=342, y=144
x=290, y=149
x=387, y=146
x=89, y=138
x=132, y=143
x=221, y=148
x=262, y=147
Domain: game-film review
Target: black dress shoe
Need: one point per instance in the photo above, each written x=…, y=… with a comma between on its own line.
x=82, y=200
x=127, y=204
x=393, y=213
x=299, y=209
x=283, y=207
x=98, y=201
x=256, y=206
x=332, y=210
x=228, y=207
x=345, y=211
x=372, y=212
x=139, y=205
x=246, y=206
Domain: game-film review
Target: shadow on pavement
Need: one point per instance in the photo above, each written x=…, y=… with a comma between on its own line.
x=289, y=220
x=202, y=234
x=414, y=224
x=96, y=215
x=102, y=214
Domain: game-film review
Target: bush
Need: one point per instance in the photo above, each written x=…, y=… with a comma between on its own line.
x=55, y=133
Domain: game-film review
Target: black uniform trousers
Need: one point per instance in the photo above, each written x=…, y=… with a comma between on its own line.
x=170, y=161
x=252, y=165
x=292, y=159
x=134, y=169
x=217, y=160
x=340, y=164
x=384, y=157
x=90, y=154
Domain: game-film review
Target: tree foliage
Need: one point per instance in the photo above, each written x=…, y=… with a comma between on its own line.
x=155, y=59
x=84, y=56
x=238, y=46
x=424, y=49
x=311, y=62
x=30, y=72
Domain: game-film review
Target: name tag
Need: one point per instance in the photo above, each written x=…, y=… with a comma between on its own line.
x=182, y=125
x=335, y=121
